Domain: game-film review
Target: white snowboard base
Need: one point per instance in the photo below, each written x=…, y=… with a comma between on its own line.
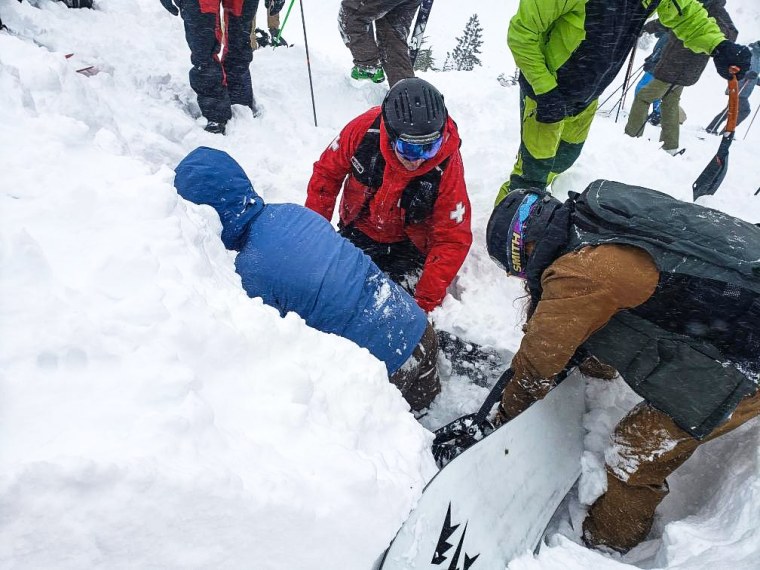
x=493, y=502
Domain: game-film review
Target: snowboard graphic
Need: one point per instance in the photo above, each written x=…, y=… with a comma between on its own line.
x=492, y=503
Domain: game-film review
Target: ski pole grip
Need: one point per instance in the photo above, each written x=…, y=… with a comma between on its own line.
x=733, y=100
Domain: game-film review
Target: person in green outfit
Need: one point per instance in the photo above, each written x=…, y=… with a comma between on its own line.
x=569, y=51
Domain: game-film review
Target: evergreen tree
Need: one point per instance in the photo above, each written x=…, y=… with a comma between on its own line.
x=448, y=63
x=425, y=60
x=465, y=54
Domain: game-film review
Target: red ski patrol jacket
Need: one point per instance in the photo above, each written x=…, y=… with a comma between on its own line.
x=374, y=183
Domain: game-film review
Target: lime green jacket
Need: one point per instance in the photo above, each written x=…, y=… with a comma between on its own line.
x=580, y=45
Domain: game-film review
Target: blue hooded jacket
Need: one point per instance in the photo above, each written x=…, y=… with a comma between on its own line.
x=294, y=260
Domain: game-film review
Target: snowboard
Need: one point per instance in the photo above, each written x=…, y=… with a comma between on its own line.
x=493, y=502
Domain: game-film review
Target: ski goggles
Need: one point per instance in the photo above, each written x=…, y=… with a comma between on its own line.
x=516, y=256
x=412, y=151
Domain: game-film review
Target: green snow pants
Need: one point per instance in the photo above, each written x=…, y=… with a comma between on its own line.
x=546, y=149
x=669, y=111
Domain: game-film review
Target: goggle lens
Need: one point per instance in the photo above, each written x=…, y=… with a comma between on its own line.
x=415, y=151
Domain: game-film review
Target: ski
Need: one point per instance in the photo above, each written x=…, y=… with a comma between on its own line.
x=419, y=29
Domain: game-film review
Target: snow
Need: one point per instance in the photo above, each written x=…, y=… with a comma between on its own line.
x=155, y=416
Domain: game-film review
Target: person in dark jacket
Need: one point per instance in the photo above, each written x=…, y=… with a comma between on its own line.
x=218, y=81
x=678, y=67
x=404, y=200
x=569, y=51
x=675, y=308
x=293, y=259
x=746, y=86
x=376, y=32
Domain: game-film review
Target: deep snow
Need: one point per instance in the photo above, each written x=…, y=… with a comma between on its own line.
x=152, y=415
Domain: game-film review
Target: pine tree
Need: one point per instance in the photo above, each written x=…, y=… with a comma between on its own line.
x=425, y=60
x=465, y=54
x=448, y=63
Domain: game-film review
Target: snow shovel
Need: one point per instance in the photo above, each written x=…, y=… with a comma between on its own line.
x=714, y=173
x=461, y=434
x=456, y=437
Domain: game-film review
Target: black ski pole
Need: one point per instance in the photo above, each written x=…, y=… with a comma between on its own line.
x=757, y=191
x=308, y=63
x=750, y=126
x=419, y=29
x=636, y=75
x=625, y=81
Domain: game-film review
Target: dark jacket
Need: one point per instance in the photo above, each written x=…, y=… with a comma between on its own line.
x=294, y=260
x=681, y=66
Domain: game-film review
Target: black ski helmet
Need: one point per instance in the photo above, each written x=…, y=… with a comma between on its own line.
x=520, y=218
x=414, y=111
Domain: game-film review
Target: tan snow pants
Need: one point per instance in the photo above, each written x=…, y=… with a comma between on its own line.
x=647, y=447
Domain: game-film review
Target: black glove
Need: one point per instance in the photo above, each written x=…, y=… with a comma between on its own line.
x=169, y=5
x=728, y=54
x=551, y=106
x=275, y=6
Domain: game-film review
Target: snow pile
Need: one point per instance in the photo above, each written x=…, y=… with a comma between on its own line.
x=154, y=416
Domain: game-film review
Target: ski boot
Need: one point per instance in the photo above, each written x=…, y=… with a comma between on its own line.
x=368, y=73
x=216, y=127
x=273, y=38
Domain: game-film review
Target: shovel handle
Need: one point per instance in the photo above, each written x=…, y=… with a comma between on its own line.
x=733, y=100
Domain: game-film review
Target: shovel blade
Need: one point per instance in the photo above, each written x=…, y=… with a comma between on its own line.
x=714, y=173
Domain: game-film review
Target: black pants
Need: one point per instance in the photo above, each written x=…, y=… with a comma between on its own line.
x=401, y=261
x=218, y=81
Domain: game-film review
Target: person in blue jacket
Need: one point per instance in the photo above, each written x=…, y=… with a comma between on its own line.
x=294, y=260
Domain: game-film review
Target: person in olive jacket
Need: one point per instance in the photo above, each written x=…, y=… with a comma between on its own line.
x=569, y=51
x=678, y=67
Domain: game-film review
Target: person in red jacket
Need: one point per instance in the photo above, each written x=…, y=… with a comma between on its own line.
x=404, y=197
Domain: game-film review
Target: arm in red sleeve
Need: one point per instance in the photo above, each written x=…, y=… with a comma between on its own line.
x=335, y=164
x=449, y=239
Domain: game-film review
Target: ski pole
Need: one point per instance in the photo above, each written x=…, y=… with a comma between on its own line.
x=636, y=74
x=757, y=191
x=750, y=126
x=308, y=62
x=625, y=81
x=285, y=21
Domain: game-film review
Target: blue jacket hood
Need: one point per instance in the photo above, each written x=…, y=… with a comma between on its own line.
x=212, y=177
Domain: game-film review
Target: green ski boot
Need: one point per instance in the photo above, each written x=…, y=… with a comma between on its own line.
x=363, y=73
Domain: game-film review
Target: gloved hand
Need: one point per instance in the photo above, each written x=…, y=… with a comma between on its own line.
x=551, y=106
x=169, y=5
x=728, y=54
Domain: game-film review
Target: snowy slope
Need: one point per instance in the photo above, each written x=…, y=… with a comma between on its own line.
x=154, y=416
